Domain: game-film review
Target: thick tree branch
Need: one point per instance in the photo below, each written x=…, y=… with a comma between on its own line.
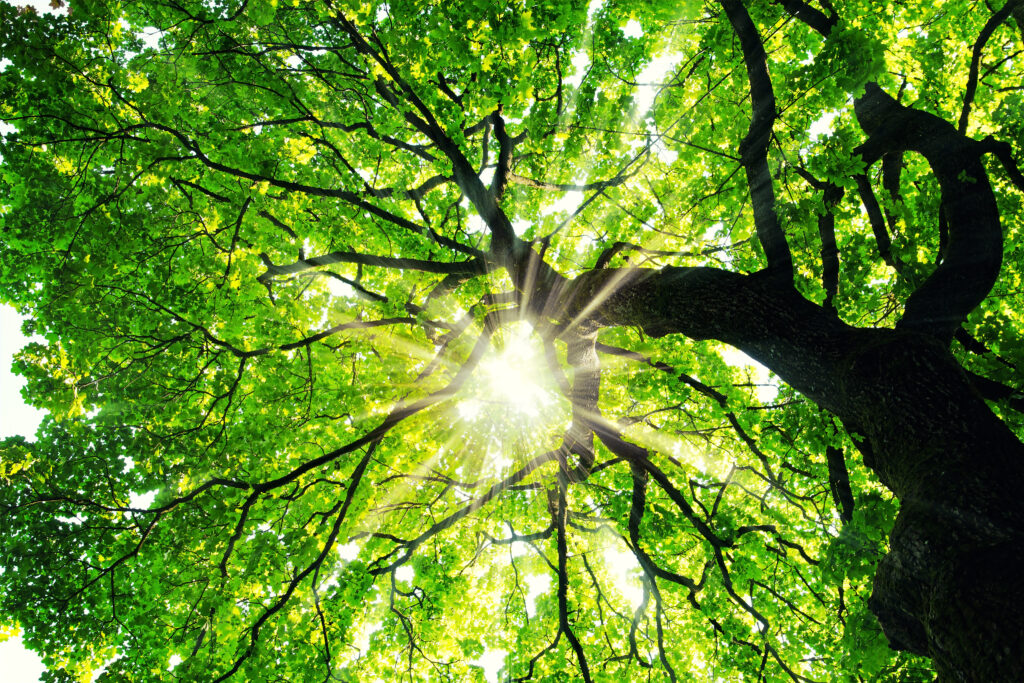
x=839, y=482
x=974, y=255
x=992, y=390
x=505, y=146
x=892, y=170
x=638, y=504
x=505, y=245
x=474, y=267
x=586, y=388
x=877, y=223
x=754, y=147
x=1004, y=152
x=596, y=186
x=800, y=341
x=812, y=16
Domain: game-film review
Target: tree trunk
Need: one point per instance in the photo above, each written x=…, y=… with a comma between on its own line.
x=952, y=586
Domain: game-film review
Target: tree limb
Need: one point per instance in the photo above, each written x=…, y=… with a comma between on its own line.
x=979, y=46
x=754, y=147
x=973, y=258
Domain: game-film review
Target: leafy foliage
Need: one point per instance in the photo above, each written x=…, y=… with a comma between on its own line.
x=283, y=255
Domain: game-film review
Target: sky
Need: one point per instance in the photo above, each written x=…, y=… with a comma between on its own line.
x=17, y=664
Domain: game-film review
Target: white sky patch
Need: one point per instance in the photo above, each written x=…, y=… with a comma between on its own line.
x=625, y=570
x=568, y=202
x=823, y=126
x=650, y=81
x=723, y=241
x=16, y=418
x=491, y=662
x=405, y=574
x=632, y=29
x=736, y=358
x=150, y=37
x=77, y=519
x=42, y=7
x=711, y=234
x=348, y=551
x=487, y=175
x=142, y=501
x=536, y=585
x=174, y=661
x=340, y=289
x=519, y=549
x=665, y=156
x=580, y=62
x=20, y=665
x=474, y=224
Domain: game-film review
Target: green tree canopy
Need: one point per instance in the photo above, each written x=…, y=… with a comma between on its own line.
x=386, y=340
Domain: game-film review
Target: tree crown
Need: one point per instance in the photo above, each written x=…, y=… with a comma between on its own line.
x=378, y=303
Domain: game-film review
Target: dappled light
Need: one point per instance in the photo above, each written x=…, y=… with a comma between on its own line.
x=515, y=341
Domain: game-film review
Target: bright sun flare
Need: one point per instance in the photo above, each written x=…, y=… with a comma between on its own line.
x=511, y=378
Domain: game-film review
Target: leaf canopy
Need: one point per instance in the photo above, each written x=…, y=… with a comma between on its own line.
x=264, y=244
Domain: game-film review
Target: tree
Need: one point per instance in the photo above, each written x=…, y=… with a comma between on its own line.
x=292, y=261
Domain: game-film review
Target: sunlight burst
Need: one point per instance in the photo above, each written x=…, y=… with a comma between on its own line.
x=514, y=376
x=512, y=403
